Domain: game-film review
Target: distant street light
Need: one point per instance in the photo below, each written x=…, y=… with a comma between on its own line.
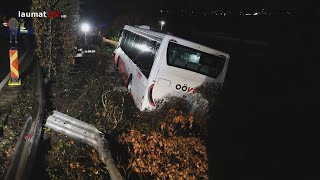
x=161, y=23
x=85, y=27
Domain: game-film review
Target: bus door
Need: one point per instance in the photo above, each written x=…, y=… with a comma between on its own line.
x=139, y=85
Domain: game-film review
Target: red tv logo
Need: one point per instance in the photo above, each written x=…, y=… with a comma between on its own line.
x=54, y=14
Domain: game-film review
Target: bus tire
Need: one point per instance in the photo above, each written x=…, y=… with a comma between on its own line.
x=116, y=65
x=129, y=84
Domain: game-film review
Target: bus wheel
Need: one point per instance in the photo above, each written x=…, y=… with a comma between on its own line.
x=116, y=65
x=129, y=85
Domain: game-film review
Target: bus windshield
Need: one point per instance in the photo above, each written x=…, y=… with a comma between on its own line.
x=194, y=60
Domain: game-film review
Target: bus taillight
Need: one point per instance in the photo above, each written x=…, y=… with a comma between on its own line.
x=150, y=95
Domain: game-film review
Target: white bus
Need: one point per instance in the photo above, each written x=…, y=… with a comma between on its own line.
x=157, y=65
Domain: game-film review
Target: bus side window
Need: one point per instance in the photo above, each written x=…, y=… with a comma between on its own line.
x=135, y=49
x=120, y=33
x=125, y=42
x=141, y=48
x=130, y=44
x=145, y=60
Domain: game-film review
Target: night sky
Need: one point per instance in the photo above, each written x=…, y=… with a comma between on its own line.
x=114, y=5
x=191, y=3
x=98, y=7
x=11, y=7
x=101, y=8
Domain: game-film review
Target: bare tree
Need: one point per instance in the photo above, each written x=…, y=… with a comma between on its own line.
x=56, y=38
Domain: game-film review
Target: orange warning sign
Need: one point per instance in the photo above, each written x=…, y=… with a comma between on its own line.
x=14, y=64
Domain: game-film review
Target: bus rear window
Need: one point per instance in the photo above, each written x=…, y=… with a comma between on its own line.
x=194, y=60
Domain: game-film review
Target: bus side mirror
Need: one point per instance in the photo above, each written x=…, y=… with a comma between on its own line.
x=119, y=35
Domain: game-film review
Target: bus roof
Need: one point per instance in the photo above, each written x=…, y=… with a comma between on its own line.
x=147, y=33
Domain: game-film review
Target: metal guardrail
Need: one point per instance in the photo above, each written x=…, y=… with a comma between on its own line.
x=25, y=153
x=26, y=148
x=86, y=133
